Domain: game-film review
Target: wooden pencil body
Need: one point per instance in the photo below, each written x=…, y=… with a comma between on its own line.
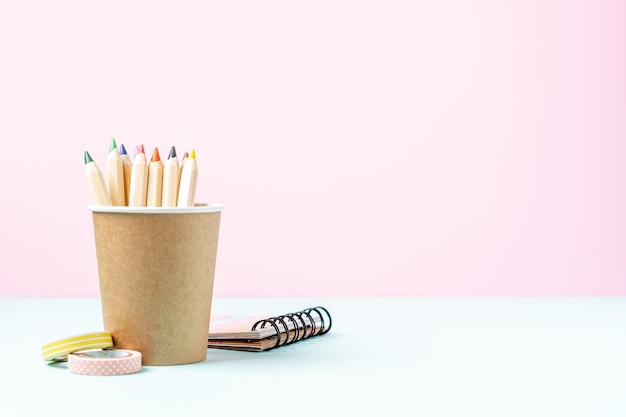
x=188, y=181
x=128, y=166
x=139, y=181
x=155, y=184
x=171, y=176
x=115, y=178
x=97, y=187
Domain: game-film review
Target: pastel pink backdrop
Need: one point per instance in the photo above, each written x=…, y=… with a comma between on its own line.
x=361, y=148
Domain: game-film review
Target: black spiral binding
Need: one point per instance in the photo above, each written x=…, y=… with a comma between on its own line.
x=299, y=327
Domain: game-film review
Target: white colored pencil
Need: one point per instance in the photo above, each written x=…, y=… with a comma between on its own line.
x=182, y=165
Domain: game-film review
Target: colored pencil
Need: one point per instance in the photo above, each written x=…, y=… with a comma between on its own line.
x=171, y=178
x=115, y=175
x=139, y=179
x=155, y=180
x=182, y=164
x=95, y=183
x=188, y=181
x=128, y=166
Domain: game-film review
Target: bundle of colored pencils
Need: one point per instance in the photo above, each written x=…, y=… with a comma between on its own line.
x=141, y=183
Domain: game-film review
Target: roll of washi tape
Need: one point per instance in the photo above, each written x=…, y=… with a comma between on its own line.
x=104, y=362
x=57, y=351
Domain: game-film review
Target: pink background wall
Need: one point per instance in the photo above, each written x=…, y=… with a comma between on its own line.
x=361, y=148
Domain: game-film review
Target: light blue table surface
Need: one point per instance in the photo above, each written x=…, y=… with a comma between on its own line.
x=384, y=356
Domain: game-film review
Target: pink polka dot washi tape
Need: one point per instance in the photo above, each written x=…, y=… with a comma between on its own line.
x=104, y=362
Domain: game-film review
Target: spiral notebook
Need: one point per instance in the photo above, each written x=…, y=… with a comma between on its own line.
x=258, y=334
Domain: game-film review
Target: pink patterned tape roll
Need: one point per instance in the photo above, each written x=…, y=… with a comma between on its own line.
x=104, y=362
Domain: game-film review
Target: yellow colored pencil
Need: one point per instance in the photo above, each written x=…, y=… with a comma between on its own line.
x=95, y=183
x=115, y=175
x=171, y=178
x=128, y=166
x=155, y=180
x=188, y=181
x=139, y=179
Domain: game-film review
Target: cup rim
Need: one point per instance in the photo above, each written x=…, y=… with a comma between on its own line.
x=198, y=208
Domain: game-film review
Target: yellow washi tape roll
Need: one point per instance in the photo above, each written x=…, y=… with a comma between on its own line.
x=59, y=350
x=104, y=362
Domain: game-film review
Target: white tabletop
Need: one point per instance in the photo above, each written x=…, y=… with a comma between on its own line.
x=384, y=356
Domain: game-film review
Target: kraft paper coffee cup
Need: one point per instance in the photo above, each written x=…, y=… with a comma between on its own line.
x=156, y=269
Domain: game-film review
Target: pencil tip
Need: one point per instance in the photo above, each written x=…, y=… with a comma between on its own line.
x=122, y=149
x=88, y=158
x=172, y=152
x=192, y=155
x=140, y=149
x=155, y=155
x=186, y=155
x=113, y=145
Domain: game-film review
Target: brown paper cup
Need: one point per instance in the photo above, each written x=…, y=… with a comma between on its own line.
x=156, y=268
